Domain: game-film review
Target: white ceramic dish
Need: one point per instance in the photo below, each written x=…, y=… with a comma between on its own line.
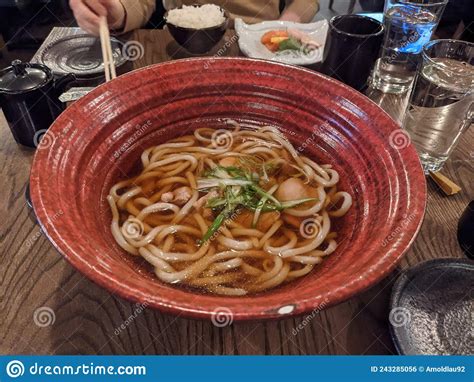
x=251, y=34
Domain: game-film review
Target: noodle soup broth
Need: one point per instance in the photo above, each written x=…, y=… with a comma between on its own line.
x=234, y=210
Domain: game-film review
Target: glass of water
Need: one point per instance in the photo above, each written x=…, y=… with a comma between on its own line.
x=409, y=25
x=441, y=105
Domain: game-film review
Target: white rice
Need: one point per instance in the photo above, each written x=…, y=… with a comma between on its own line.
x=196, y=17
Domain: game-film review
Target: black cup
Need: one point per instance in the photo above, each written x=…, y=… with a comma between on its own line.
x=466, y=230
x=29, y=99
x=352, y=46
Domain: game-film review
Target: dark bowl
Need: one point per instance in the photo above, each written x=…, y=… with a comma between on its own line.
x=198, y=41
x=431, y=308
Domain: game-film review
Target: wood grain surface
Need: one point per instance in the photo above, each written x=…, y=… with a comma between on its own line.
x=47, y=307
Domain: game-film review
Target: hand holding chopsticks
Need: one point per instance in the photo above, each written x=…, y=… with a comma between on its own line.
x=109, y=64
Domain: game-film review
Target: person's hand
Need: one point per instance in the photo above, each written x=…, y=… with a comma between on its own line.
x=88, y=13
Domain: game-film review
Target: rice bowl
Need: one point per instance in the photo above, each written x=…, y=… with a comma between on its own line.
x=207, y=26
x=196, y=17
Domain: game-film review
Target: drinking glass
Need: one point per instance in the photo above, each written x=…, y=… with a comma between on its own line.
x=351, y=48
x=409, y=25
x=441, y=105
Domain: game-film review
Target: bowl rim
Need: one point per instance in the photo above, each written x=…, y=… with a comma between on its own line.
x=333, y=27
x=407, y=276
x=219, y=26
x=304, y=306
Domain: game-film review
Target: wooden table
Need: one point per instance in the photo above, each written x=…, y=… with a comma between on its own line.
x=87, y=317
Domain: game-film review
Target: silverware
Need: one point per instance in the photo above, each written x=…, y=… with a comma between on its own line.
x=73, y=94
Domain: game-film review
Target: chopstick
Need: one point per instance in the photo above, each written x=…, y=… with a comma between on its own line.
x=446, y=184
x=109, y=64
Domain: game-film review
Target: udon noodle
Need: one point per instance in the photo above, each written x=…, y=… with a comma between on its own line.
x=230, y=211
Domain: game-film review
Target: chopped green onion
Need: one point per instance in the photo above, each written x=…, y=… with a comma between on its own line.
x=260, y=206
x=216, y=202
x=294, y=203
x=261, y=192
x=239, y=187
x=210, y=183
x=216, y=224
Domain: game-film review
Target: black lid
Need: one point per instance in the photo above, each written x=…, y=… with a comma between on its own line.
x=22, y=77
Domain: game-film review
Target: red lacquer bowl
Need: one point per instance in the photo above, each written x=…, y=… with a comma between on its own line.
x=99, y=139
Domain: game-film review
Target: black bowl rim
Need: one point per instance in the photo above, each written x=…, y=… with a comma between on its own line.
x=406, y=276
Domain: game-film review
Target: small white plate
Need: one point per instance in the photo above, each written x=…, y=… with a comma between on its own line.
x=250, y=41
